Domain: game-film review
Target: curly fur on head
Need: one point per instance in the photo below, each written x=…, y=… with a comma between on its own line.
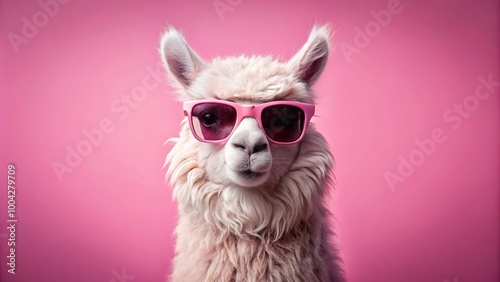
x=231, y=228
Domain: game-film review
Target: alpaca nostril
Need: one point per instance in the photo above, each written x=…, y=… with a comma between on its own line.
x=239, y=146
x=259, y=148
x=256, y=148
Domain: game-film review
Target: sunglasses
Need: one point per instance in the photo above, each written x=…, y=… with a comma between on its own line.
x=214, y=121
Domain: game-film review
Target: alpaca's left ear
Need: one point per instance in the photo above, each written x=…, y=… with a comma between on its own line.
x=309, y=62
x=182, y=64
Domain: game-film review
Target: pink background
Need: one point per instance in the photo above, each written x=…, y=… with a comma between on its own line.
x=113, y=213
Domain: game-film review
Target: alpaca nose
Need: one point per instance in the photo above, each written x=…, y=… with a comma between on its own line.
x=251, y=149
x=249, y=137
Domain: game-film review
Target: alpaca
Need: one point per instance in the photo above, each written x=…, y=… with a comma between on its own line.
x=249, y=175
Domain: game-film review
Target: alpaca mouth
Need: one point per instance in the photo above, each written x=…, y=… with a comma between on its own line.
x=248, y=177
x=249, y=174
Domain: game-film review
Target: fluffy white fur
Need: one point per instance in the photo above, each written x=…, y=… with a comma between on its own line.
x=272, y=227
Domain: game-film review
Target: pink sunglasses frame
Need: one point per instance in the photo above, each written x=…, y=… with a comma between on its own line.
x=255, y=111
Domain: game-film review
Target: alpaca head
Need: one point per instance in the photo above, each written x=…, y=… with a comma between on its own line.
x=237, y=178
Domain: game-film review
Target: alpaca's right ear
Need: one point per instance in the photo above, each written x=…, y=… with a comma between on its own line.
x=309, y=62
x=180, y=61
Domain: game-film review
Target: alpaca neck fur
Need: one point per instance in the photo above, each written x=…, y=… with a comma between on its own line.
x=272, y=234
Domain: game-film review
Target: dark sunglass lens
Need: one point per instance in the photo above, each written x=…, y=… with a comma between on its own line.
x=213, y=121
x=283, y=123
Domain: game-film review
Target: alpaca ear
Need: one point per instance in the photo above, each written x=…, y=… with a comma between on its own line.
x=180, y=61
x=309, y=62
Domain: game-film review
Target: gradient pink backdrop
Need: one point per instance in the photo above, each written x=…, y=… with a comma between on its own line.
x=113, y=214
